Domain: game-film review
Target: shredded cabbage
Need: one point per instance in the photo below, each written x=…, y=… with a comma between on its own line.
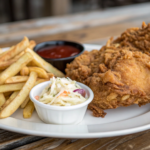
x=60, y=92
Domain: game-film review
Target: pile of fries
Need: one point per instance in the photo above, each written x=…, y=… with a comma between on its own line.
x=20, y=70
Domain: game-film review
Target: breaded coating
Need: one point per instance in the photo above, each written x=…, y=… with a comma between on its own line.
x=137, y=39
x=118, y=74
x=118, y=77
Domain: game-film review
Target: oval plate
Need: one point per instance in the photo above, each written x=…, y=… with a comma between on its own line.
x=120, y=121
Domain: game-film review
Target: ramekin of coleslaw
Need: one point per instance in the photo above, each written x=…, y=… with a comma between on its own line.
x=61, y=100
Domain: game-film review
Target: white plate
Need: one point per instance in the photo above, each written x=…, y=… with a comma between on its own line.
x=120, y=121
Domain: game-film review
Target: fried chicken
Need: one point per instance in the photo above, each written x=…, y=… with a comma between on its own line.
x=118, y=74
x=137, y=39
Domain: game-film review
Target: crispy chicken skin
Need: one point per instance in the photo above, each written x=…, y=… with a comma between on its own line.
x=118, y=76
x=138, y=39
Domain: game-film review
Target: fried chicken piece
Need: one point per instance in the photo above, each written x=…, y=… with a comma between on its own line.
x=137, y=39
x=117, y=76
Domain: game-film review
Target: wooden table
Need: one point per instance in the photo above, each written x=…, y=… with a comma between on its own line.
x=91, y=27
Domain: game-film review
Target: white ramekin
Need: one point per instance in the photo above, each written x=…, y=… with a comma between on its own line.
x=60, y=114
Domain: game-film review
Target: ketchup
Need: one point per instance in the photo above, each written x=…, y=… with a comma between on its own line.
x=60, y=51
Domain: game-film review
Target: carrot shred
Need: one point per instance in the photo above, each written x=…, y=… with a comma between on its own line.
x=37, y=97
x=65, y=93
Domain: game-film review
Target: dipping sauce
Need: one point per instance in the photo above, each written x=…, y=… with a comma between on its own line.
x=60, y=51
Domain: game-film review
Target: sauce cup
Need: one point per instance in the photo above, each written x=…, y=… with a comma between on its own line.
x=59, y=63
x=60, y=114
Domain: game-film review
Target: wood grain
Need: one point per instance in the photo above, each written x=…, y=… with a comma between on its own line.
x=98, y=35
x=91, y=27
x=51, y=26
x=10, y=140
x=134, y=141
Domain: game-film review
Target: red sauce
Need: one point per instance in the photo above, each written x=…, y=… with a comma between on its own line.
x=60, y=51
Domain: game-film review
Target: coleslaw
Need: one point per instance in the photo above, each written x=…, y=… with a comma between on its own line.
x=62, y=92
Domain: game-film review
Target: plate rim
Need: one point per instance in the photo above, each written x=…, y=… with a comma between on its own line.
x=79, y=135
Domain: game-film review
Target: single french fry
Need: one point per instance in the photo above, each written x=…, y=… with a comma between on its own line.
x=18, y=56
x=41, y=72
x=40, y=81
x=22, y=79
x=6, y=64
x=28, y=110
x=15, y=67
x=16, y=79
x=23, y=105
x=27, y=99
x=36, y=83
x=32, y=44
x=4, y=52
x=31, y=64
x=11, y=87
x=15, y=50
x=13, y=95
x=43, y=64
x=24, y=71
x=19, y=99
x=50, y=75
x=2, y=99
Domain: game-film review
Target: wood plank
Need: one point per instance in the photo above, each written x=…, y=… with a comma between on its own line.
x=7, y=136
x=115, y=143
x=119, y=13
x=99, y=144
x=9, y=140
x=51, y=26
x=36, y=144
x=97, y=35
x=2, y=131
x=43, y=144
x=138, y=143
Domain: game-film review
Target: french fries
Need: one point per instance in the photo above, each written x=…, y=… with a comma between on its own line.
x=16, y=79
x=27, y=99
x=14, y=94
x=15, y=50
x=32, y=44
x=4, y=52
x=18, y=56
x=40, y=81
x=5, y=64
x=19, y=99
x=11, y=87
x=50, y=75
x=24, y=71
x=41, y=72
x=22, y=79
x=31, y=64
x=28, y=110
x=21, y=69
x=2, y=99
x=23, y=105
x=15, y=67
x=38, y=61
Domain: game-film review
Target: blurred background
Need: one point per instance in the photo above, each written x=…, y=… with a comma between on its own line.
x=16, y=10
